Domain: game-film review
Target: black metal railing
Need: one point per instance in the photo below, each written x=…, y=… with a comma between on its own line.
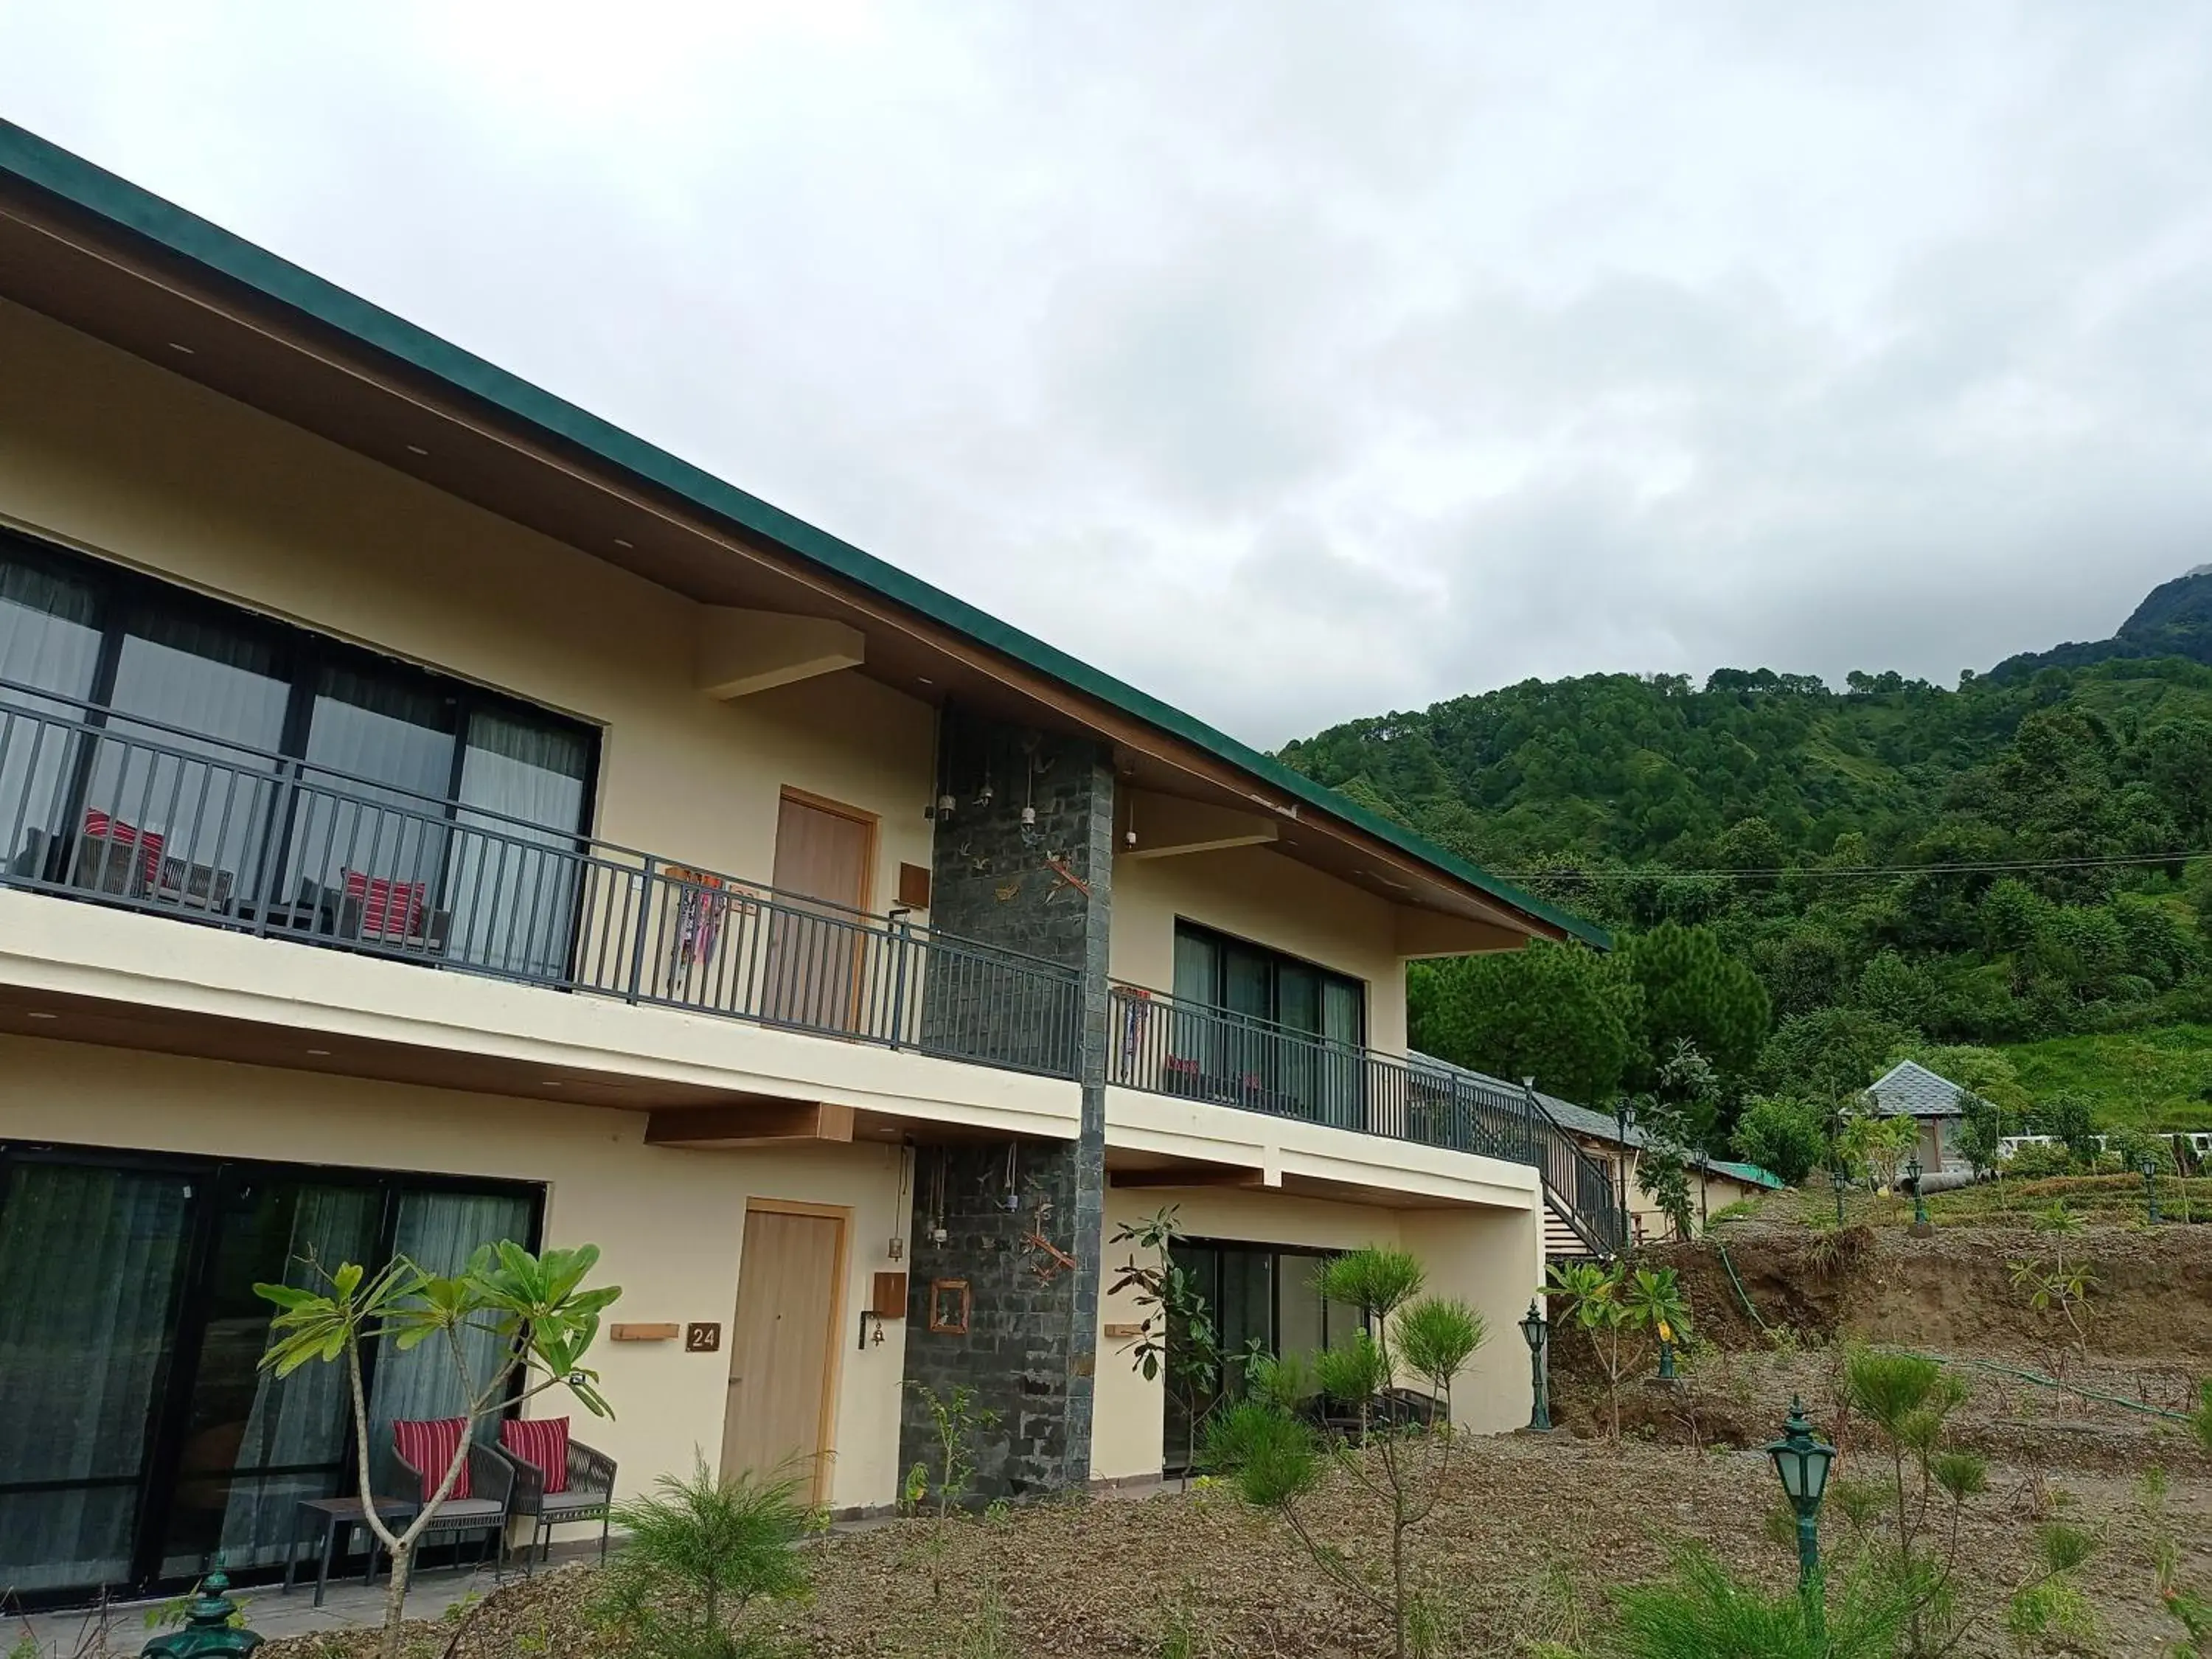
x=123, y=810
x=1170, y=1046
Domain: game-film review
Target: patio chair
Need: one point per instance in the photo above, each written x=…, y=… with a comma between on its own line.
x=116, y=857
x=382, y=911
x=481, y=1499
x=586, y=1482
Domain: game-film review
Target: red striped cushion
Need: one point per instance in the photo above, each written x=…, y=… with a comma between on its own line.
x=430, y=1447
x=542, y=1441
x=387, y=906
x=117, y=833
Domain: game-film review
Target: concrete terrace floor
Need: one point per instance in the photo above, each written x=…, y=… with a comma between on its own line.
x=76, y=1634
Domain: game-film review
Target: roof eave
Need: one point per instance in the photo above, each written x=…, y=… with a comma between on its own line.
x=117, y=202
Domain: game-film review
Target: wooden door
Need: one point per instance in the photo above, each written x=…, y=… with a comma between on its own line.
x=816, y=956
x=783, y=1347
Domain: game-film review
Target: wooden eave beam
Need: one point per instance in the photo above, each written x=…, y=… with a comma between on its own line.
x=748, y=1126
x=741, y=652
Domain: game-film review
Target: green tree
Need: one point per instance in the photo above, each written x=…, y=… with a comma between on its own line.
x=1695, y=992
x=2176, y=758
x=1264, y=1445
x=532, y=1312
x=1561, y=1013
x=1829, y=1055
x=1782, y=1135
x=1900, y=992
x=2072, y=1120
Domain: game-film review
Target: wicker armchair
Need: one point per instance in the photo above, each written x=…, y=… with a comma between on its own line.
x=590, y=1497
x=486, y=1509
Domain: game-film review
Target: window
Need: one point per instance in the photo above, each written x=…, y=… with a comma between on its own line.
x=1293, y=1034
x=1261, y=1294
x=251, y=768
x=1212, y=970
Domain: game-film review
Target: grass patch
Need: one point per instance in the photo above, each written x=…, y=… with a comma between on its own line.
x=2159, y=1080
x=2104, y=1198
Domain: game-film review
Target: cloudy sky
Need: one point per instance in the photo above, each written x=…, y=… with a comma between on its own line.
x=1295, y=361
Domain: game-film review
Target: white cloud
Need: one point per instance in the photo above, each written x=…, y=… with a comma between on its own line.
x=1295, y=361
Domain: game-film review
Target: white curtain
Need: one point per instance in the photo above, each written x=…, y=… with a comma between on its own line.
x=369, y=726
x=49, y=638
x=301, y=1418
x=222, y=686
x=438, y=1232
x=90, y=1262
x=513, y=888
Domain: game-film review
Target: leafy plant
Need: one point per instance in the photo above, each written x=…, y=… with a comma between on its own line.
x=1781, y=1135
x=1276, y=1460
x=699, y=1554
x=2058, y=1285
x=541, y=1322
x=1609, y=1304
x=1176, y=1337
x=955, y=1420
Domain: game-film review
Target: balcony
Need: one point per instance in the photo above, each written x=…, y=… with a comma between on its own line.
x=126, y=811
x=1164, y=1046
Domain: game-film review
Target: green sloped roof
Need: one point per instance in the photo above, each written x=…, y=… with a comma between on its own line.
x=1749, y=1173
x=28, y=157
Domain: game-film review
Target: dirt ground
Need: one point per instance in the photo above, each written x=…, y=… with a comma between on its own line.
x=1533, y=1527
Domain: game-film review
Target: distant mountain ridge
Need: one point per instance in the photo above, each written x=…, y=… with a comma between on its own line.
x=2175, y=620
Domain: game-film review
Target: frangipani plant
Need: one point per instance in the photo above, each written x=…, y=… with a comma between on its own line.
x=542, y=1320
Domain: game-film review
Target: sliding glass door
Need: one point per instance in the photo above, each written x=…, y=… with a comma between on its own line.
x=1262, y=1298
x=92, y=1276
x=143, y=1441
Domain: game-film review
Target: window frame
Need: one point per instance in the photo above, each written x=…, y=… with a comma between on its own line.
x=298, y=655
x=1276, y=960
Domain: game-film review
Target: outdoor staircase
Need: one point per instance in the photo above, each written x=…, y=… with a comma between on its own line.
x=1561, y=1242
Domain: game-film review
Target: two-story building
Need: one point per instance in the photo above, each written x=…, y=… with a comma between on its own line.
x=431, y=816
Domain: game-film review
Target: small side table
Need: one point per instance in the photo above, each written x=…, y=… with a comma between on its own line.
x=334, y=1515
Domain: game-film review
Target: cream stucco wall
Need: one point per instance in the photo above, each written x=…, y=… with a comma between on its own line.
x=101, y=450
x=1261, y=895
x=670, y=1223
x=1708, y=1194
x=67, y=948
x=1491, y=1258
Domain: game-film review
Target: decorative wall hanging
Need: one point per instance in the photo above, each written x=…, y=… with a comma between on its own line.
x=1063, y=875
x=950, y=1302
x=1047, y=1261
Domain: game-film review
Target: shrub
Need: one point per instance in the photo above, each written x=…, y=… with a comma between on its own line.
x=1702, y=1611
x=2034, y=1162
x=699, y=1554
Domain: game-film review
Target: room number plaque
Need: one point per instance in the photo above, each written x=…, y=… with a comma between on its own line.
x=702, y=1338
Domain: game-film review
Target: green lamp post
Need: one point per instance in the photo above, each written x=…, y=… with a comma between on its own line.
x=1801, y=1461
x=208, y=1632
x=1536, y=1331
x=2150, y=1187
x=1912, y=1174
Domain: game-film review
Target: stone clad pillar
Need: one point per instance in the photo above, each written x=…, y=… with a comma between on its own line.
x=1043, y=888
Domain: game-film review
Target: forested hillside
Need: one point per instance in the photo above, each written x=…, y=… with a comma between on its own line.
x=1767, y=808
